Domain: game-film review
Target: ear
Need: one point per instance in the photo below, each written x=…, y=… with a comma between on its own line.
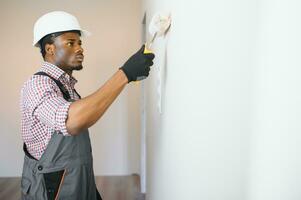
x=49, y=48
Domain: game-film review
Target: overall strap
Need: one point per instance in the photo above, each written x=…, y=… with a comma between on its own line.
x=65, y=92
x=77, y=93
x=27, y=153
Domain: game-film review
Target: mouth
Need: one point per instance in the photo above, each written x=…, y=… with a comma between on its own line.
x=79, y=57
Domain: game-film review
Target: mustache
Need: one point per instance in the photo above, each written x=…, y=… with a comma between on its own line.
x=79, y=54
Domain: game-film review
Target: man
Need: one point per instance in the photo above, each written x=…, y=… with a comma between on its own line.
x=55, y=120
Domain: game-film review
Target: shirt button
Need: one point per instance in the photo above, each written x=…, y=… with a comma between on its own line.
x=40, y=167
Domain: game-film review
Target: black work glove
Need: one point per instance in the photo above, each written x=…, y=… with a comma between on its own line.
x=137, y=67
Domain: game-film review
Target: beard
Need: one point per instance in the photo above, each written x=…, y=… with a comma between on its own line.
x=78, y=67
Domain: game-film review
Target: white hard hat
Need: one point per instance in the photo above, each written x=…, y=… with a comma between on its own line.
x=55, y=21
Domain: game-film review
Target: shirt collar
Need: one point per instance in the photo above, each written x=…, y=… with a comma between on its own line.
x=57, y=73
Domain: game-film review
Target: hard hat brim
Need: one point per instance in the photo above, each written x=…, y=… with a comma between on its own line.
x=84, y=33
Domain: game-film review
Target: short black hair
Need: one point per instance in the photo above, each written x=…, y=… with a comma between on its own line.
x=49, y=39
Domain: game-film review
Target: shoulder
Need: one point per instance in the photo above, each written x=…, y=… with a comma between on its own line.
x=37, y=85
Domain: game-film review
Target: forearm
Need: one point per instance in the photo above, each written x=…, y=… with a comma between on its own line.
x=85, y=112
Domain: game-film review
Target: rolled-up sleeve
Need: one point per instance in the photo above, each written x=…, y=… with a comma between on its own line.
x=61, y=117
x=47, y=103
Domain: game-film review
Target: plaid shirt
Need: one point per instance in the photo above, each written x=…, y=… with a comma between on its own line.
x=43, y=108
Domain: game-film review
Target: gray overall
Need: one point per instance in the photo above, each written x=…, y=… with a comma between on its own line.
x=65, y=170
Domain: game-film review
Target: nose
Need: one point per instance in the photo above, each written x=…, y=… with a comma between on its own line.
x=79, y=49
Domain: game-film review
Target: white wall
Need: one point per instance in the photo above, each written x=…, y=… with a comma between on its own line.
x=275, y=154
x=229, y=128
x=115, y=27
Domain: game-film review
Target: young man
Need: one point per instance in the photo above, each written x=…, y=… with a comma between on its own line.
x=55, y=119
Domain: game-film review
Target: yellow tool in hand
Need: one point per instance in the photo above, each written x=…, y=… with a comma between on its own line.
x=158, y=26
x=146, y=50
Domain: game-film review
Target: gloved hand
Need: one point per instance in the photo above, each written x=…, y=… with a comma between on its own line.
x=137, y=67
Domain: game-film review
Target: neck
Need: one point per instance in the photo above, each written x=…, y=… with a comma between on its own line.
x=69, y=72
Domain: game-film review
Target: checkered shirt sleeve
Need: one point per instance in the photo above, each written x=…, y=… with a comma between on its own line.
x=46, y=103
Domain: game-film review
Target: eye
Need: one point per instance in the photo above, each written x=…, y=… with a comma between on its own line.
x=70, y=44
